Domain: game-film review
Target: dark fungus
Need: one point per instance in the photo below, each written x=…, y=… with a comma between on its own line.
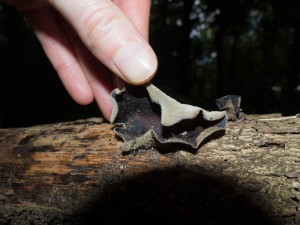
x=144, y=117
x=232, y=105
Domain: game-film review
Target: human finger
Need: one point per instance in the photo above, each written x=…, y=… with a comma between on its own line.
x=111, y=37
x=98, y=76
x=138, y=12
x=60, y=54
x=100, y=80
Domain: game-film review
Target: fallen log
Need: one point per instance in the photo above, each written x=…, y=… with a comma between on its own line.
x=75, y=173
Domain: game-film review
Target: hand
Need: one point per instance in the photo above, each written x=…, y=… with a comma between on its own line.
x=87, y=40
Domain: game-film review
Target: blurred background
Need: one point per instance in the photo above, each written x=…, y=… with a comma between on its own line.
x=206, y=49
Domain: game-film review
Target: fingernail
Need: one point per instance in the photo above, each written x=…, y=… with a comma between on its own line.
x=135, y=62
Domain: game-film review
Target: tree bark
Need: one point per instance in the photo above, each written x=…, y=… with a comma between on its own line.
x=75, y=173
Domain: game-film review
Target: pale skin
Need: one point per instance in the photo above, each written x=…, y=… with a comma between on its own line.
x=91, y=42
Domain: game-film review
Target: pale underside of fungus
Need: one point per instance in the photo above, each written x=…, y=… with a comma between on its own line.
x=145, y=117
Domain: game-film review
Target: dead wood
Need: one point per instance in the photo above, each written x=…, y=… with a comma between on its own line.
x=75, y=173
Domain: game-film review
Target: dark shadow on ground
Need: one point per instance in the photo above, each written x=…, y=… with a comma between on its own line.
x=177, y=196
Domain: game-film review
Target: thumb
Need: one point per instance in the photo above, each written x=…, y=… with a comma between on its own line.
x=111, y=37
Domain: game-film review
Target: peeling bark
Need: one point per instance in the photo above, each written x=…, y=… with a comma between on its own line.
x=75, y=173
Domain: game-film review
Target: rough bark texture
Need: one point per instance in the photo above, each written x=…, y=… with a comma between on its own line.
x=75, y=173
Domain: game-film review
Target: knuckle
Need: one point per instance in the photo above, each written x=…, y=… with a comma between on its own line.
x=62, y=66
x=100, y=25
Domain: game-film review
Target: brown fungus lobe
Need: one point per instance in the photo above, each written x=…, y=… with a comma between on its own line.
x=144, y=116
